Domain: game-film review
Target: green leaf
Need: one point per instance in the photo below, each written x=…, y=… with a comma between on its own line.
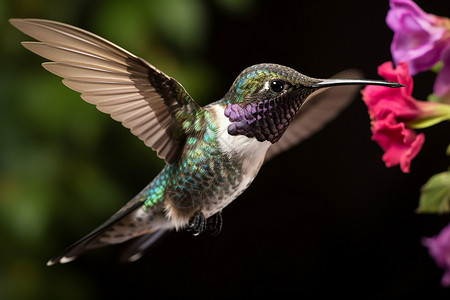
x=437, y=67
x=435, y=196
x=433, y=98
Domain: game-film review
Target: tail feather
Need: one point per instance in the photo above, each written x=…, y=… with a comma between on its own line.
x=92, y=240
x=141, y=245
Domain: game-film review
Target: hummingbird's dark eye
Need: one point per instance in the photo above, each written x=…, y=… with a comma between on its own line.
x=277, y=86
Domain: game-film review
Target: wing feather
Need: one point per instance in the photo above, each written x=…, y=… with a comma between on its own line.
x=131, y=90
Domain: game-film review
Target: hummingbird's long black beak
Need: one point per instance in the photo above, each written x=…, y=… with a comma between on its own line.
x=334, y=82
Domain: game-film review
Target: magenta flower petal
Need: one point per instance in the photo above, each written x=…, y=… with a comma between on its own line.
x=381, y=100
x=389, y=109
x=395, y=111
x=407, y=5
x=419, y=38
x=439, y=249
x=400, y=144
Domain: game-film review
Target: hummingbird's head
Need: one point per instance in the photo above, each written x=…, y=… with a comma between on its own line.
x=265, y=98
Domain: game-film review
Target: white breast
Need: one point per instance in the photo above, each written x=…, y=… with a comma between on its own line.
x=249, y=150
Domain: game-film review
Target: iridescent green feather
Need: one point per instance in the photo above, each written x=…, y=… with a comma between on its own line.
x=198, y=172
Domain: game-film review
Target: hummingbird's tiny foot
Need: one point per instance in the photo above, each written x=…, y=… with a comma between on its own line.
x=197, y=223
x=214, y=224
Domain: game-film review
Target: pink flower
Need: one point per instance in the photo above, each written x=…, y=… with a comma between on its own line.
x=392, y=111
x=419, y=38
x=400, y=143
x=439, y=249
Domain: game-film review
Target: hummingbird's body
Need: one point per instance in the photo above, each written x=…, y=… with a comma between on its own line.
x=212, y=171
x=212, y=153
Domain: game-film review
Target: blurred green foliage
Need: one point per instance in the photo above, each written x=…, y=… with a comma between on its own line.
x=65, y=167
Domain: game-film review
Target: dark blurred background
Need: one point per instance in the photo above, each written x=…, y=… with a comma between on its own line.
x=325, y=219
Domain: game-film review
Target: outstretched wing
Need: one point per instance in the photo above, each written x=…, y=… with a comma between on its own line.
x=318, y=110
x=147, y=101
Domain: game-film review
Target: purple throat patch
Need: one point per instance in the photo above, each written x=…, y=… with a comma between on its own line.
x=265, y=120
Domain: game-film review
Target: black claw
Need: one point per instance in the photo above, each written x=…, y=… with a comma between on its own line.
x=214, y=224
x=197, y=223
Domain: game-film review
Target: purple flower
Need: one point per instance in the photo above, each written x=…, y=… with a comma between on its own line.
x=419, y=38
x=439, y=249
x=442, y=83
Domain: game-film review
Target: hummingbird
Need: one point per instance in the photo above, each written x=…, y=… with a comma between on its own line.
x=212, y=153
